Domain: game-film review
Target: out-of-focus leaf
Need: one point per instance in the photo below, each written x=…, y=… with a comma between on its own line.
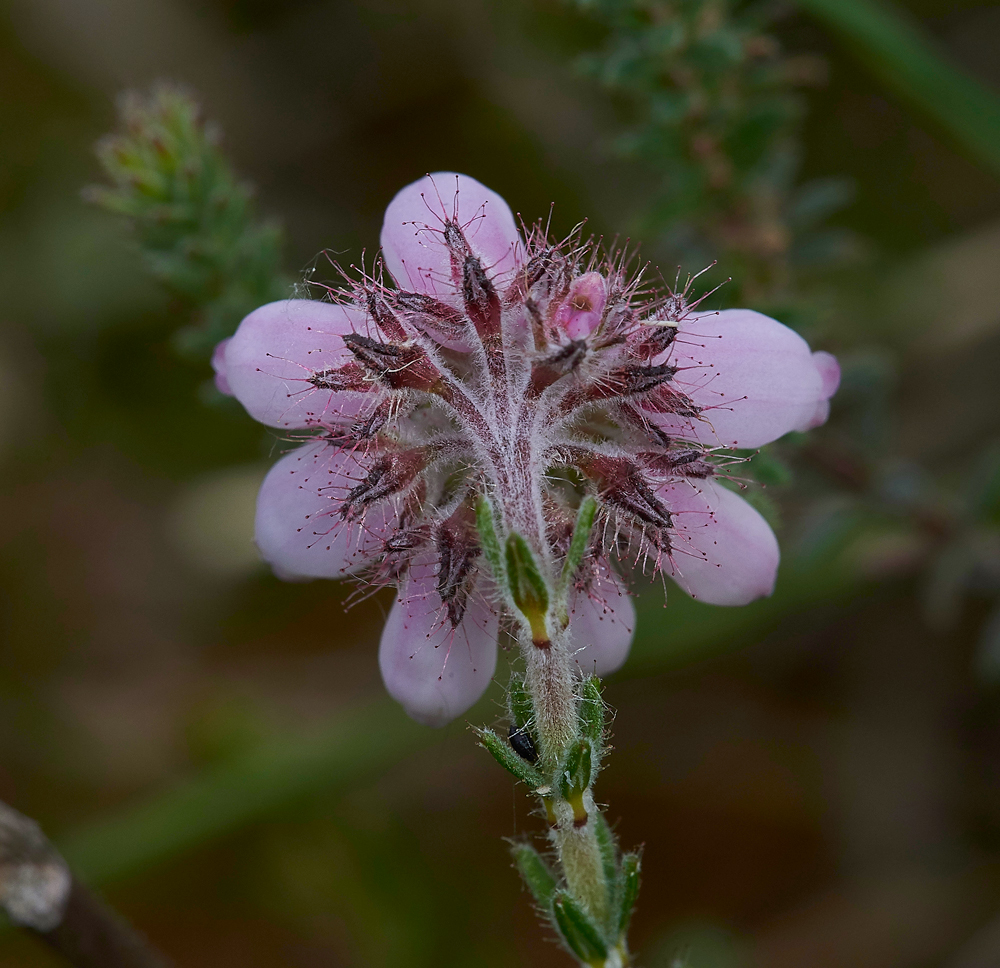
x=984, y=486
x=817, y=199
x=947, y=297
x=987, y=660
x=356, y=745
x=194, y=221
x=906, y=60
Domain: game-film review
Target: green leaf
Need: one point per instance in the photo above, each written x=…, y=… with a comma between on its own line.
x=580, y=934
x=488, y=540
x=591, y=712
x=631, y=867
x=536, y=873
x=906, y=59
x=609, y=855
x=579, y=542
x=508, y=759
x=519, y=704
x=574, y=777
x=194, y=221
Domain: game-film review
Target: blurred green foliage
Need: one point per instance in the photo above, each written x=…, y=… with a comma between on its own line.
x=194, y=221
x=716, y=119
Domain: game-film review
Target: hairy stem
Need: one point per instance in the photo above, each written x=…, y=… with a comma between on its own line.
x=580, y=857
x=549, y=682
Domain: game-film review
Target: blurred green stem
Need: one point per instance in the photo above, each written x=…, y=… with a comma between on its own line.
x=906, y=59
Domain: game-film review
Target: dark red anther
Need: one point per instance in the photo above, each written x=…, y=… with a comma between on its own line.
x=626, y=382
x=403, y=541
x=650, y=341
x=546, y=275
x=690, y=463
x=631, y=380
x=649, y=429
x=430, y=315
x=666, y=399
x=618, y=320
x=366, y=429
x=537, y=267
x=455, y=239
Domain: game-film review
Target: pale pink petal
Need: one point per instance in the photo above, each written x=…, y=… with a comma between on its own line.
x=601, y=626
x=723, y=551
x=219, y=366
x=413, y=240
x=829, y=371
x=820, y=414
x=580, y=313
x=277, y=349
x=755, y=379
x=298, y=528
x=434, y=671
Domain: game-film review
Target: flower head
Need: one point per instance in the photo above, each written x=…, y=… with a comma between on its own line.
x=510, y=380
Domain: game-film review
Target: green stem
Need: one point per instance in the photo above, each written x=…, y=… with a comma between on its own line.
x=549, y=679
x=581, y=857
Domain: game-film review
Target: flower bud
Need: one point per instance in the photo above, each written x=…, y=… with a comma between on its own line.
x=575, y=778
x=580, y=313
x=527, y=588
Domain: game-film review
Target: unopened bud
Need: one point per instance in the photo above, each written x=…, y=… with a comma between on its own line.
x=575, y=778
x=527, y=588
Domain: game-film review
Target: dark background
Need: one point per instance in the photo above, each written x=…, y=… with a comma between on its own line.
x=816, y=785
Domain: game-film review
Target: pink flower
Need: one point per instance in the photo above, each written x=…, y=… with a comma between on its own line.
x=519, y=376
